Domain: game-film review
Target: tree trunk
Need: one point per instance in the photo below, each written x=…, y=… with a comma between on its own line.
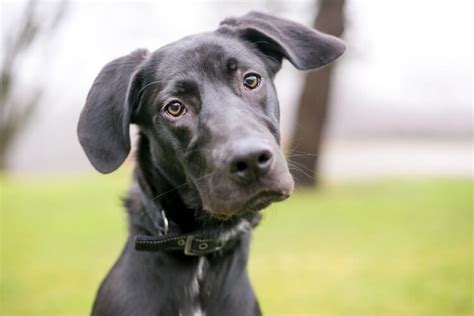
x=313, y=106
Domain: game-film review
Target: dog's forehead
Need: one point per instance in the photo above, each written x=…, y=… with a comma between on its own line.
x=201, y=53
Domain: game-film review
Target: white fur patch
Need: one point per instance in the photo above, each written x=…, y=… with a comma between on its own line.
x=200, y=268
x=194, y=286
x=198, y=275
x=198, y=312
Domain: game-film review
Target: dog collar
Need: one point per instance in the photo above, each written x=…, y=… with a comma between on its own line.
x=190, y=244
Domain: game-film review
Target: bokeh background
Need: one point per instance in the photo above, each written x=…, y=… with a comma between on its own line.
x=381, y=223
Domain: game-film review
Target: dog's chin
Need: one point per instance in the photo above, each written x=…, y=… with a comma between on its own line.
x=255, y=203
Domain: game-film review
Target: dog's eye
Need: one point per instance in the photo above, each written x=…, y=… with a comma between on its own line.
x=251, y=81
x=175, y=109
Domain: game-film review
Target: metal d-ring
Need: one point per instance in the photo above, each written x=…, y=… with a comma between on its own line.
x=165, y=223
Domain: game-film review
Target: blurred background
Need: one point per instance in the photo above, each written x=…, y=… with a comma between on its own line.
x=380, y=144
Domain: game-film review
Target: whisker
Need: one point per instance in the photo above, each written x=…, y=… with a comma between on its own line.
x=307, y=172
x=181, y=185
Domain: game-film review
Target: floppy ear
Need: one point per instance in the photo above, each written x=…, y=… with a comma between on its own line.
x=103, y=127
x=304, y=47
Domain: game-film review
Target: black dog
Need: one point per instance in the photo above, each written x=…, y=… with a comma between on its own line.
x=208, y=160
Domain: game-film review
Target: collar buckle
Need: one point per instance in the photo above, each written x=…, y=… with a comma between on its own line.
x=188, y=251
x=166, y=226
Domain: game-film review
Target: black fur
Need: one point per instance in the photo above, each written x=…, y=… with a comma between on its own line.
x=186, y=165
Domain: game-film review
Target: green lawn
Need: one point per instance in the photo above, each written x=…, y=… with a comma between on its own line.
x=393, y=247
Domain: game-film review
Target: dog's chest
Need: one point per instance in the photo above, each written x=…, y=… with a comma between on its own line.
x=194, y=289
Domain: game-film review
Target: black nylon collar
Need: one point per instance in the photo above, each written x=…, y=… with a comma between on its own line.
x=191, y=244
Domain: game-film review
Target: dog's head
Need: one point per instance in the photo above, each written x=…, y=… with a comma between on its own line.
x=208, y=106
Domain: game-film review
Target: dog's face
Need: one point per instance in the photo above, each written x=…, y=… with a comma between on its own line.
x=209, y=108
x=211, y=102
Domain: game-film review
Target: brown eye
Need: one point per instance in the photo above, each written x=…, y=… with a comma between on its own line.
x=251, y=81
x=175, y=109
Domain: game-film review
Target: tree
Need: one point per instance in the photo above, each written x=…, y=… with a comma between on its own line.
x=16, y=112
x=313, y=105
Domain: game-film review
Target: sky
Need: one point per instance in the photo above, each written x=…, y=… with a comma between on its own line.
x=407, y=71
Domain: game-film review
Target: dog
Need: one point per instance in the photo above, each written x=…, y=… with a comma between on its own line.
x=208, y=159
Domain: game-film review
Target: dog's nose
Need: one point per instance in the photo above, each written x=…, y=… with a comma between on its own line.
x=250, y=161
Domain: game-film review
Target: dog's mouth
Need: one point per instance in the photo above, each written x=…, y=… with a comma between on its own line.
x=262, y=200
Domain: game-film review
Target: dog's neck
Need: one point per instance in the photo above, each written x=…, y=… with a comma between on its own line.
x=203, y=284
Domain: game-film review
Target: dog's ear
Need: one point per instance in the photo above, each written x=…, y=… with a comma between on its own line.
x=304, y=47
x=104, y=124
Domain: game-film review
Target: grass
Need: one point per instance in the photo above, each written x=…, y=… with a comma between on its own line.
x=394, y=247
